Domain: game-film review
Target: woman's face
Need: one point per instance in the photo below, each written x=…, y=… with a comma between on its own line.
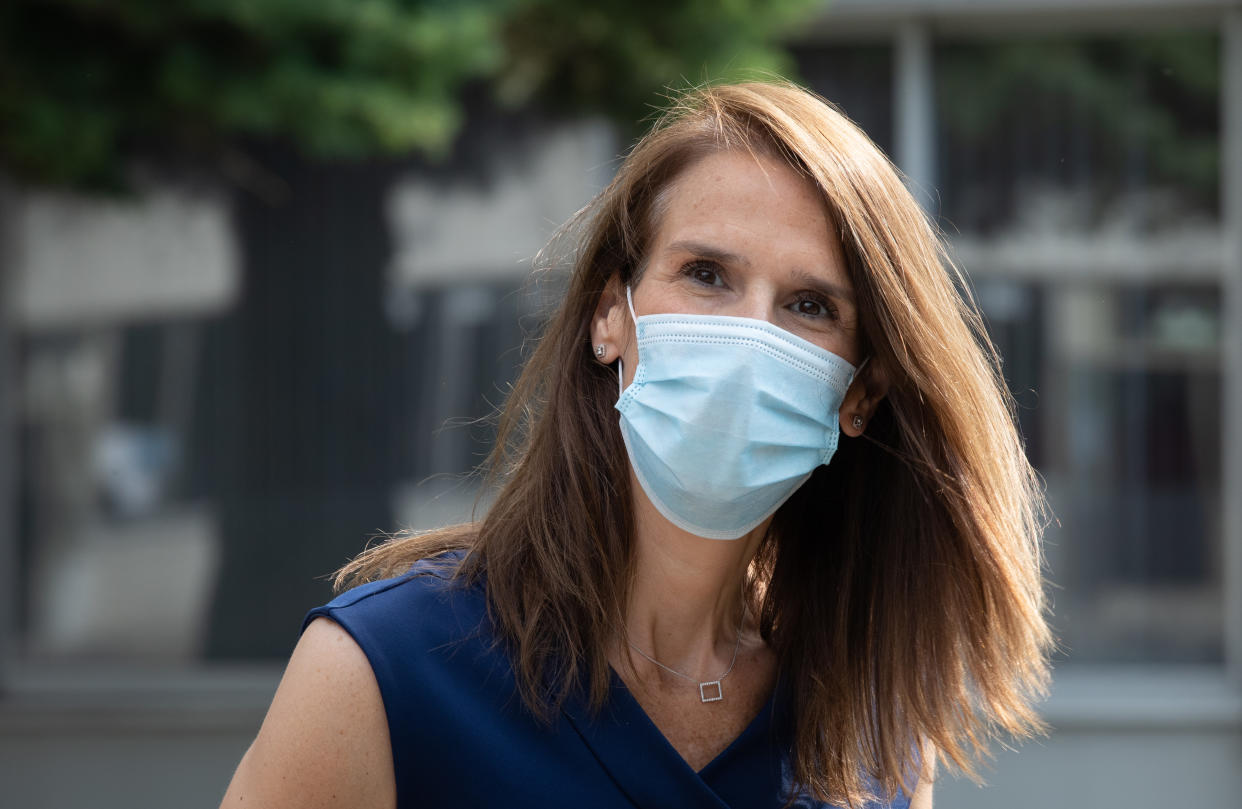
x=746, y=236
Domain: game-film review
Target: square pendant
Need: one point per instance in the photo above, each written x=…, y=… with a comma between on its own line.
x=708, y=695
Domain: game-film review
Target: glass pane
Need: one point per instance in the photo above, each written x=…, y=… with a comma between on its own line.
x=1082, y=134
x=858, y=78
x=464, y=348
x=120, y=555
x=1119, y=397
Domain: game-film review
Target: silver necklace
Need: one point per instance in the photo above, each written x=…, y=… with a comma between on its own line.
x=706, y=694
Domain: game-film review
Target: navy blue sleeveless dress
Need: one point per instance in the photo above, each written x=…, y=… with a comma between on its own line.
x=461, y=737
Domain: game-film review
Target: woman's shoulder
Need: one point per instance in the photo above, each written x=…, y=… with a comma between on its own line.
x=325, y=734
x=425, y=633
x=429, y=601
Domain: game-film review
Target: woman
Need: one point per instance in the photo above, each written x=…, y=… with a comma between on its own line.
x=795, y=562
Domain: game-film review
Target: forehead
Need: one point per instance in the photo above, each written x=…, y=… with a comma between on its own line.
x=744, y=202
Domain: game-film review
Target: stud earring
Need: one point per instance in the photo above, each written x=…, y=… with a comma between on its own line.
x=858, y=422
x=599, y=351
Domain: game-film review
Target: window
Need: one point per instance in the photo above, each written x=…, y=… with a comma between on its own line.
x=858, y=78
x=1080, y=187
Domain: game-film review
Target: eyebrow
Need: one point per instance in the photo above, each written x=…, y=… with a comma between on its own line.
x=803, y=277
x=829, y=288
x=707, y=251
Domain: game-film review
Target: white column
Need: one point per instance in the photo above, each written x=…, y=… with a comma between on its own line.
x=1231, y=336
x=914, y=120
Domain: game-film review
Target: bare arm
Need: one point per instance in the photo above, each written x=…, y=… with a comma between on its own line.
x=324, y=743
x=922, y=798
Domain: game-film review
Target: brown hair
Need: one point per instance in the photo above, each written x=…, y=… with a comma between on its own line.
x=900, y=587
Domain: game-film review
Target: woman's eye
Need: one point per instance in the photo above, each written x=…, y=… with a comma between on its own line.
x=810, y=307
x=703, y=273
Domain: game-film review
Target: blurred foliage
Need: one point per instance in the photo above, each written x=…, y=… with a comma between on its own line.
x=82, y=80
x=1154, y=94
x=620, y=56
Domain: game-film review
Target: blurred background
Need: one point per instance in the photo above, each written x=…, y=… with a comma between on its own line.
x=264, y=264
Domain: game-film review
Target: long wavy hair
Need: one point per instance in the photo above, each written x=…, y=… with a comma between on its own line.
x=901, y=586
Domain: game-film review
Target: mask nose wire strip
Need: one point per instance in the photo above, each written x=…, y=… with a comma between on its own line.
x=629, y=302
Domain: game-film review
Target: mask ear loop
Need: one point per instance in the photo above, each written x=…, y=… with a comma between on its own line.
x=629, y=301
x=858, y=370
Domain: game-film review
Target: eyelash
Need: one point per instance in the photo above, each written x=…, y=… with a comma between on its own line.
x=691, y=269
x=830, y=311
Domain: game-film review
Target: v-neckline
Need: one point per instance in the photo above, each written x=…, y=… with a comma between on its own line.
x=622, y=691
x=651, y=772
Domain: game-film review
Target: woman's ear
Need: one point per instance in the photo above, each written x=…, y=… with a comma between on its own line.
x=868, y=389
x=610, y=326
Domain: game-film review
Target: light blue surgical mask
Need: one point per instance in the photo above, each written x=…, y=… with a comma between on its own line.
x=726, y=417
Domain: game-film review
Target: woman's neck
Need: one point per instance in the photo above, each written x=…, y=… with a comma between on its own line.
x=686, y=599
